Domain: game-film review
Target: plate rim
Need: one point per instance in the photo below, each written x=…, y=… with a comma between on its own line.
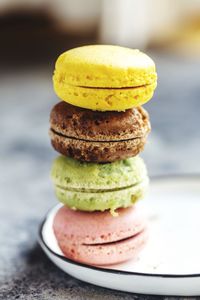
x=114, y=271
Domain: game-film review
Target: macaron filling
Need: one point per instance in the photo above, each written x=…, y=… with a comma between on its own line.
x=83, y=190
x=114, y=242
x=92, y=140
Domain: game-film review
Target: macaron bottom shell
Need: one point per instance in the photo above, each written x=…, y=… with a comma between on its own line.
x=96, y=151
x=104, y=99
x=101, y=200
x=108, y=253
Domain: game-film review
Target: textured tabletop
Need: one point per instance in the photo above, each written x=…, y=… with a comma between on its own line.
x=26, y=192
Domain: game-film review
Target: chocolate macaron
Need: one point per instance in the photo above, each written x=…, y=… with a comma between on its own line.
x=94, y=136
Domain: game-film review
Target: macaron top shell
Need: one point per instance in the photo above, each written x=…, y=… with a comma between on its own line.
x=105, y=66
x=72, y=174
x=75, y=122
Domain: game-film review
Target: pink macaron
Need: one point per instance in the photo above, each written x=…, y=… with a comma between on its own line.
x=98, y=238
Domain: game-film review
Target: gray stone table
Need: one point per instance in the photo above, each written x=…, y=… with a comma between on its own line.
x=26, y=192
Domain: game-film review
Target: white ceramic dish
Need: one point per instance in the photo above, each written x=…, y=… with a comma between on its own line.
x=169, y=264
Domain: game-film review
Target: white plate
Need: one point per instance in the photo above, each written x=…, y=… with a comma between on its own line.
x=169, y=264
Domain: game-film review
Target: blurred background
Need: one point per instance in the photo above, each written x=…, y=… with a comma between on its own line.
x=32, y=34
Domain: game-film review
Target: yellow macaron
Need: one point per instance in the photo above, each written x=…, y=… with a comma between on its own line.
x=104, y=77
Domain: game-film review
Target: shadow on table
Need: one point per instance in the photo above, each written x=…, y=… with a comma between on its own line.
x=41, y=279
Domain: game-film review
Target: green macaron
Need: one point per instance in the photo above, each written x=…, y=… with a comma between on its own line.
x=91, y=186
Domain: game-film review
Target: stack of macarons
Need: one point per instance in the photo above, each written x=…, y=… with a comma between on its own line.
x=99, y=128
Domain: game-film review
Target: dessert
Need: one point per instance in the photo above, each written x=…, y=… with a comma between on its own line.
x=99, y=238
x=94, y=136
x=99, y=127
x=90, y=186
x=104, y=77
